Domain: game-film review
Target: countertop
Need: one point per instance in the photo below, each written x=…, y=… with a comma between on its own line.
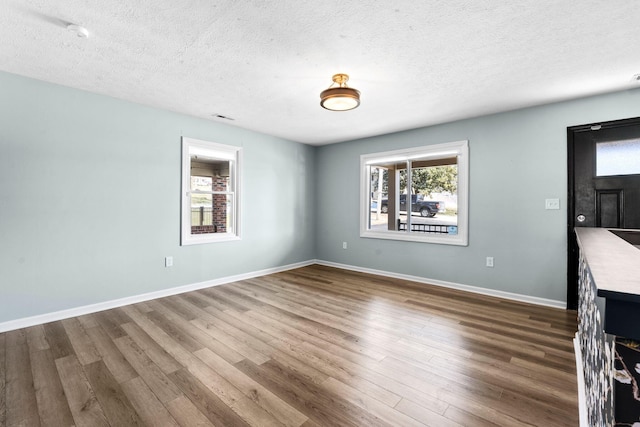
x=614, y=263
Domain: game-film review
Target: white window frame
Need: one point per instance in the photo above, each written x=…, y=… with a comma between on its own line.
x=218, y=151
x=437, y=151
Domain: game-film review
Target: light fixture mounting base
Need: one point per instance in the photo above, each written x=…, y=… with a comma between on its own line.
x=340, y=78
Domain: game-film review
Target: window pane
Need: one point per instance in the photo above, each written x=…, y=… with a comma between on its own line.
x=379, y=181
x=208, y=174
x=211, y=213
x=435, y=197
x=618, y=157
x=432, y=181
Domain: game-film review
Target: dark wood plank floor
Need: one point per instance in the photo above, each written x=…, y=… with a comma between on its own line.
x=316, y=346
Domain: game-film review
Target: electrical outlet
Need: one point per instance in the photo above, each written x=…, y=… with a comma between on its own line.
x=344, y=245
x=168, y=261
x=489, y=261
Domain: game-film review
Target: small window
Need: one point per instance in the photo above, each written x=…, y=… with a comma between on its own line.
x=418, y=194
x=618, y=157
x=210, y=192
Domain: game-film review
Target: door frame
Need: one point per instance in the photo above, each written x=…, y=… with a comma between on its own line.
x=572, y=246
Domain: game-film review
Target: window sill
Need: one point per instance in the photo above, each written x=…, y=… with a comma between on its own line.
x=203, y=238
x=457, y=240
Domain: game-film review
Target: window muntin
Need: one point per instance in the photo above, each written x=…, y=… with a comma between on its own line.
x=210, y=187
x=432, y=180
x=618, y=157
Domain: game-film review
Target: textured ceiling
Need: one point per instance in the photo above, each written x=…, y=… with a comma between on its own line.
x=264, y=63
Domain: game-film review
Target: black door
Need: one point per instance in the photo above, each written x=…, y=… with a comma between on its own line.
x=604, y=183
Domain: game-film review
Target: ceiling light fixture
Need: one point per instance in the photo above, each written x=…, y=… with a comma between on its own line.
x=339, y=97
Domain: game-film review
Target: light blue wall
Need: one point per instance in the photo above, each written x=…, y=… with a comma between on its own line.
x=90, y=200
x=90, y=189
x=517, y=160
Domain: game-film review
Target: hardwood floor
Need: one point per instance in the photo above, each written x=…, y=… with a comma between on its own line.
x=316, y=346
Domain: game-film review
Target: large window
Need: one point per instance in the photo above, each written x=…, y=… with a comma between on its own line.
x=210, y=192
x=417, y=194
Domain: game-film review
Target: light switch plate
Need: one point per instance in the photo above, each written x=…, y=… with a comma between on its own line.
x=553, y=204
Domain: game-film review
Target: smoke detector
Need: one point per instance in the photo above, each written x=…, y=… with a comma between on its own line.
x=78, y=30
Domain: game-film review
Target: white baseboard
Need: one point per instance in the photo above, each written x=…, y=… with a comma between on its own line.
x=452, y=285
x=93, y=308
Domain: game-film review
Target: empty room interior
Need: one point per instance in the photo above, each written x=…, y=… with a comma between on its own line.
x=319, y=214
